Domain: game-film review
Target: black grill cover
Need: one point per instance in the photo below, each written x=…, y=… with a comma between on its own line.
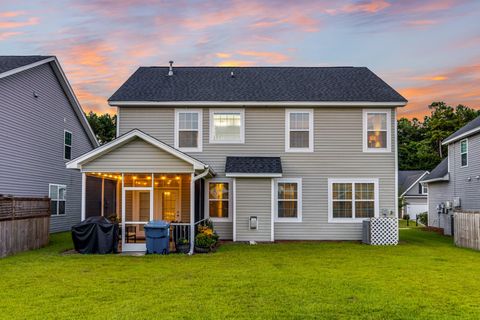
x=95, y=235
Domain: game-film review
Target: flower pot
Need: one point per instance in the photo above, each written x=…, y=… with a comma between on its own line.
x=202, y=250
x=183, y=248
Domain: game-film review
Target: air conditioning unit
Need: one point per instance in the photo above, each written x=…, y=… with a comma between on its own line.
x=448, y=205
x=456, y=202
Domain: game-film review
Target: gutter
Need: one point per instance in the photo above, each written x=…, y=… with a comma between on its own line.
x=445, y=178
x=463, y=135
x=259, y=103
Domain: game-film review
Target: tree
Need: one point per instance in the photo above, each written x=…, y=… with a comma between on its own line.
x=104, y=126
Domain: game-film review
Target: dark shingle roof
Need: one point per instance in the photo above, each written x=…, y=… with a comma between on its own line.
x=474, y=124
x=408, y=177
x=440, y=171
x=263, y=84
x=253, y=165
x=8, y=63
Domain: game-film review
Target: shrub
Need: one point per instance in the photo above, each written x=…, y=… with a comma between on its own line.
x=423, y=218
x=406, y=216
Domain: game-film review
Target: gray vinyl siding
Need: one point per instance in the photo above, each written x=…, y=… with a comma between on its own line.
x=439, y=192
x=224, y=230
x=338, y=154
x=414, y=191
x=416, y=200
x=253, y=198
x=138, y=155
x=31, y=140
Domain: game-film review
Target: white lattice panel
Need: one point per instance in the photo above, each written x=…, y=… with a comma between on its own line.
x=383, y=231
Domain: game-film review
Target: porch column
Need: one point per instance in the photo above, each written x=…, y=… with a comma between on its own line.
x=83, y=199
x=192, y=213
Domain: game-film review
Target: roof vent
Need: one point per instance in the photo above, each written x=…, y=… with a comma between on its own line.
x=170, y=69
x=232, y=75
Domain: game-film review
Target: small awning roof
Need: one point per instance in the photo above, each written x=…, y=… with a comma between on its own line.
x=127, y=137
x=253, y=167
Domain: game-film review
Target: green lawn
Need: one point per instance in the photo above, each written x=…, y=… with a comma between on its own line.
x=424, y=277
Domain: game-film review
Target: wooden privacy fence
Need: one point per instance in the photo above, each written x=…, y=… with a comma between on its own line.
x=467, y=230
x=24, y=224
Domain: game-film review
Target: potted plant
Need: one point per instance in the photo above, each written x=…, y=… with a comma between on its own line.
x=206, y=239
x=183, y=245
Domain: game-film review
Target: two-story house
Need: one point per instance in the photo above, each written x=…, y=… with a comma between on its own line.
x=42, y=127
x=413, y=192
x=455, y=183
x=267, y=153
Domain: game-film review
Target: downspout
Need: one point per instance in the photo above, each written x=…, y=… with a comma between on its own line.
x=192, y=207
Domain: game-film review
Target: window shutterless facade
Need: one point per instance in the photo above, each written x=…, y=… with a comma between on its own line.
x=58, y=197
x=219, y=199
x=377, y=131
x=188, y=130
x=352, y=200
x=464, y=152
x=227, y=126
x=288, y=200
x=67, y=145
x=299, y=130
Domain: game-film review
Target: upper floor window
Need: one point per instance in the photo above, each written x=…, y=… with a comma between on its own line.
x=67, y=145
x=464, y=152
x=376, y=130
x=422, y=188
x=188, y=130
x=227, y=126
x=352, y=200
x=288, y=200
x=219, y=200
x=58, y=195
x=299, y=130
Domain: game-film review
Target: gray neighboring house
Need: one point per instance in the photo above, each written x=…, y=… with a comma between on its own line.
x=455, y=183
x=414, y=192
x=267, y=153
x=42, y=127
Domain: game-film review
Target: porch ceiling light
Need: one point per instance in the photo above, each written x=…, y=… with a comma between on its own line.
x=177, y=178
x=163, y=177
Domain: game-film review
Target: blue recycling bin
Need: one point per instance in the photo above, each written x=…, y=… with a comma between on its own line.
x=157, y=234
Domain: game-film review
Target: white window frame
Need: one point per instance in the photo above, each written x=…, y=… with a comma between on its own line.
x=242, y=126
x=310, y=130
x=462, y=153
x=199, y=112
x=365, y=132
x=298, y=181
x=230, y=198
x=331, y=181
x=58, y=186
x=424, y=189
x=67, y=145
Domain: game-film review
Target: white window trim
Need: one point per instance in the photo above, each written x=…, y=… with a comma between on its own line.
x=389, y=130
x=58, y=200
x=423, y=189
x=462, y=153
x=242, y=126
x=65, y=145
x=331, y=181
x=298, y=181
x=200, y=129
x=230, y=198
x=310, y=130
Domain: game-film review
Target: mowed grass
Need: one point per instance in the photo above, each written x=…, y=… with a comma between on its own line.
x=423, y=277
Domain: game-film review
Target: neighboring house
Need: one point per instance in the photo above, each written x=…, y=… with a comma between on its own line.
x=455, y=183
x=268, y=153
x=42, y=128
x=413, y=192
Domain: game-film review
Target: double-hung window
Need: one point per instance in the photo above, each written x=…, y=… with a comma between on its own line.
x=218, y=200
x=422, y=188
x=298, y=130
x=188, y=130
x=67, y=145
x=352, y=200
x=377, y=130
x=464, y=152
x=227, y=126
x=58, y=196
x=288, y=200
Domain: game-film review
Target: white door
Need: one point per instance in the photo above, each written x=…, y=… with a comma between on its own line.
x=414, y=209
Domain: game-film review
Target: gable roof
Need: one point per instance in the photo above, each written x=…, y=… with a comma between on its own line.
x=467, y=130
x=10, y=65
x=407, y=179
x=440, y=173
x=127, y=137
x=253, y=166
x=256, y=85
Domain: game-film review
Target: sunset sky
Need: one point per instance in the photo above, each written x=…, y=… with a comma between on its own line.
x=427, y=50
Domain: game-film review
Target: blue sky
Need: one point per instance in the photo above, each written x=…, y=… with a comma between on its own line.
x=427, y=50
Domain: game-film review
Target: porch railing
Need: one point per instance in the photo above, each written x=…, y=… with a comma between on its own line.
x=180, y=230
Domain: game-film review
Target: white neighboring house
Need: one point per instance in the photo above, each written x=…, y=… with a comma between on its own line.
x=414, y=192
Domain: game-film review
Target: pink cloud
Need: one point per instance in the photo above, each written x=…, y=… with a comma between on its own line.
x=269, y=57
x=18, y=24
x=11, y=14
x=236, y=63
x=6, y=35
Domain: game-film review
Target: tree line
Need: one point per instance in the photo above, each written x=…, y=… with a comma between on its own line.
x=419, y=142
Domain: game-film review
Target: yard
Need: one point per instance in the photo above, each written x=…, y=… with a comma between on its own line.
x=424, y=277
